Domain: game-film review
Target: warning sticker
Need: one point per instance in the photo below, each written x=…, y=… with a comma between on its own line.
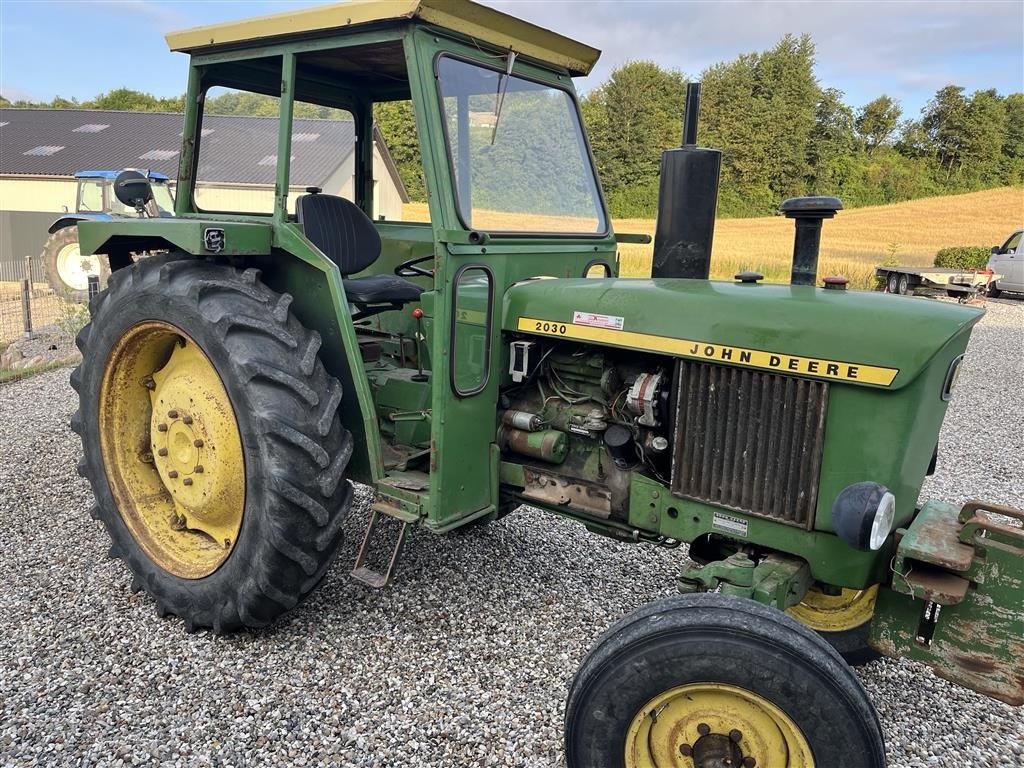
x=598, y=321
x=737, y=526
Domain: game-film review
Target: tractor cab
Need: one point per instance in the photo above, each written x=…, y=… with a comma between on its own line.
x=95, y=194
x=512, y=195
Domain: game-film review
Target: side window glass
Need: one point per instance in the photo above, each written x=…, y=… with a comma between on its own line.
x=91, y=196
x=237, y=164
x=399, y=193
x=1012, y=244
x=323, y=152
x=471, y=330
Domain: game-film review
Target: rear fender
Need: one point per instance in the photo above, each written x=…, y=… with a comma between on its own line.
x=72, y=219
x=200, y=237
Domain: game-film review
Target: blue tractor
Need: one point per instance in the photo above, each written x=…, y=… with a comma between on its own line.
x=67, y=270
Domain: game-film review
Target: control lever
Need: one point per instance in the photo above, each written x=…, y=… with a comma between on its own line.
x=419, y=375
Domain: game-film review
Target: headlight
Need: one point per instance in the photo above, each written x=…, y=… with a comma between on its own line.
x=863, y=514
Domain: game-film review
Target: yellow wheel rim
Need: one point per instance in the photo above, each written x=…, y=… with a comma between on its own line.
x=171, y=449
x=691, y=723
x=835, y=613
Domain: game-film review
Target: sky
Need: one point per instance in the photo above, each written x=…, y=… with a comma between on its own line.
x=907, y=50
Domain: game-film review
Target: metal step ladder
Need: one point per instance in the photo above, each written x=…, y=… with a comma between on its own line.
x=367, y=574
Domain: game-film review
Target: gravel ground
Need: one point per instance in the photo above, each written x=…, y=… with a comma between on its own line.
x=464, y=662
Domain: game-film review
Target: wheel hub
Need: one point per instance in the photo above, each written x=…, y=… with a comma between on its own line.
x=74, y=269
x=183, y=495
x=714, y=725
x=835, y=613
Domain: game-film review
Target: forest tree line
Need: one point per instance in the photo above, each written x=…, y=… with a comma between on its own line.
x=781, y=132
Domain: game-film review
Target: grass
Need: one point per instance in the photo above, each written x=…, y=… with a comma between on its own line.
x=851, y=244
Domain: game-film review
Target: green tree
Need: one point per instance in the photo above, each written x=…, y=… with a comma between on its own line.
x=1013, y=140
x=981, y=141
x=397, y=124
x=831, y=144
x=877, y=121
x=942, y=119
x=632, y=118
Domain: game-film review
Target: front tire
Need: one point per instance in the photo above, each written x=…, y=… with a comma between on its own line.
x=843, y=620
x=67, y=271
x=711, y=675
x=211, y=440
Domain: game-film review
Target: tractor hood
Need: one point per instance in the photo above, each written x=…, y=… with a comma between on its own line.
x=870, y=339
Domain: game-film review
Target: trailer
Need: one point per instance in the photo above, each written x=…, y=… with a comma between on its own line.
x=960, y=284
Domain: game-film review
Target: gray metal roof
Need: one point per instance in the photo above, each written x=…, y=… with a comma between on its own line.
x=235, y=149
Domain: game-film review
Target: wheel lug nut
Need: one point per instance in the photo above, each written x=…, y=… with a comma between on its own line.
x=161, y=427
x=199, y=469
x=703, y=729
x=735, y=735
x=172, y=414
x=162, y=452
x=198, y=443
x=172, y=474
x=187, y=419
x=187, y=481
x=685, y=750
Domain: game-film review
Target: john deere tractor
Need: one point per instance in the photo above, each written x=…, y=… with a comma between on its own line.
x=233, y=388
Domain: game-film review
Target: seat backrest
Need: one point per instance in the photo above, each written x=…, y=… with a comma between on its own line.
x=340, y=229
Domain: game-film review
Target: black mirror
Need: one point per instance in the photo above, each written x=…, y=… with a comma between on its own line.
x=995, y=249
x=133, y=189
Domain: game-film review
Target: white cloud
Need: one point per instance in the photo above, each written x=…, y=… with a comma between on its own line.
x=905, y=48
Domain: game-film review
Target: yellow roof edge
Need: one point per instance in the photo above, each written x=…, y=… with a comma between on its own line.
x=461, y=16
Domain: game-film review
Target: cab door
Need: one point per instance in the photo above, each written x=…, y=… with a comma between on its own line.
x=1009, y=262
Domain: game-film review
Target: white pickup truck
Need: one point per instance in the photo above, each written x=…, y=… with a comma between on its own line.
x=1008, y=262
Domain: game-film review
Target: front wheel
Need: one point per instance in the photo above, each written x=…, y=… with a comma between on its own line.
x=67, y=270
x=892, y=283
x=212, y=441
x=993, y=292
x=904, y=287
x=710, y=680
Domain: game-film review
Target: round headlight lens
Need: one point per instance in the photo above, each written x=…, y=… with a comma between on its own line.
x=881, y=526
x=863, y=515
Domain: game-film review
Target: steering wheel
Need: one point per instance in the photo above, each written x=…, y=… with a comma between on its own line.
x=409, y=268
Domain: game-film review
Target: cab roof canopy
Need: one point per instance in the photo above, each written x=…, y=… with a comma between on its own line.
x=462, y=17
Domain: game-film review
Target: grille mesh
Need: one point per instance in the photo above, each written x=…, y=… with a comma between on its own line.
x=749, y=440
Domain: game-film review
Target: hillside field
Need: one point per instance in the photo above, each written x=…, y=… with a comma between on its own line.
x=851, y=244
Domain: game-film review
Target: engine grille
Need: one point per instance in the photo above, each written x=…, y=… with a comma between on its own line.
x=748, y=440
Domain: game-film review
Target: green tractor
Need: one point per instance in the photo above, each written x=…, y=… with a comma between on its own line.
x=233, y=388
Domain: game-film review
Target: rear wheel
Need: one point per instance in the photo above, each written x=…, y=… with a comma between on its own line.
x=904, y=285
x=67, y=270
x=212, y=441
x=844, y=620
x=993, y=292
x=712, y=680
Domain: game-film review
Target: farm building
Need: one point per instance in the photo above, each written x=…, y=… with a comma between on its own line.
x=42, y=149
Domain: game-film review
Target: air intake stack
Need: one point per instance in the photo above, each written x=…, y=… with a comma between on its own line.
x=687, y=200
x=809, y=212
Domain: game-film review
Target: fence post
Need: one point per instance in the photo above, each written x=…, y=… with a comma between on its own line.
x=26, y=307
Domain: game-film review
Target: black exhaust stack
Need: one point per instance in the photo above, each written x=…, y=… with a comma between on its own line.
x=687, y=199
x=809, y=212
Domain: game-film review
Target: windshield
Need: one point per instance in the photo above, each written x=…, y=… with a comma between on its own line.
x=523, y=167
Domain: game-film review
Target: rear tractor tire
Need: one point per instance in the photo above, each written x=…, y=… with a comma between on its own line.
x=67, y=271
x=211, y=440
x=714, y=680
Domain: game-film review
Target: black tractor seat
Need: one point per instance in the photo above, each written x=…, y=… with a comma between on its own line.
x=345, y=234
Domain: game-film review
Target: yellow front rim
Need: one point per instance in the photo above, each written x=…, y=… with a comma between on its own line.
x=691, y=723
x=172, y=450
x=849, y=609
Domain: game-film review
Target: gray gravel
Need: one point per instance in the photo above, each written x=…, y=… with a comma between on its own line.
x=464, y=662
